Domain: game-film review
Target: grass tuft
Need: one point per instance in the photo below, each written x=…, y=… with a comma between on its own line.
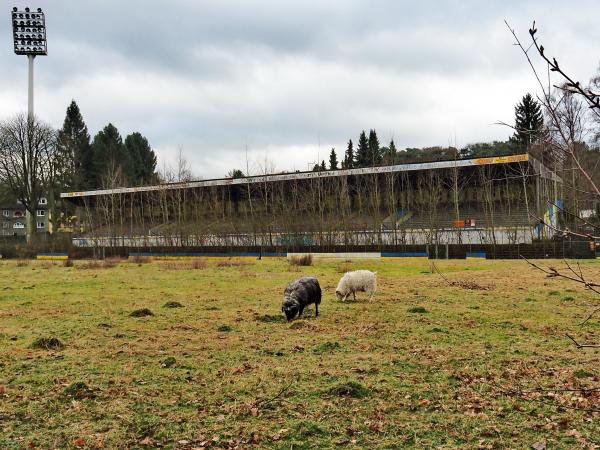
x=349, y=389
x=143, y=312
x=45, y=343
x=225, y=329
x=79, y=391
x=267, y=318
x=172, y=304
x=418, y=310
x=68, y=263
x=327, y=347
x=168, y=362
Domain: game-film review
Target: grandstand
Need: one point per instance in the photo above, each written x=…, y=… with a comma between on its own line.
x=476, y=201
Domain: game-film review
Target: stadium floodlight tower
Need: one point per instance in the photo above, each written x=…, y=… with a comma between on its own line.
x=29, y=35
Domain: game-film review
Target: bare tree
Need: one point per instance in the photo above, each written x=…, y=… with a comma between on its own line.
x=563, y=104
x=27, y=148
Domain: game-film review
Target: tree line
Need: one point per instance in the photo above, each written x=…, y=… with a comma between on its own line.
x=529, y=128
x=38, y=161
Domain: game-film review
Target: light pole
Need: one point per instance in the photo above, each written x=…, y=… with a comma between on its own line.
x=29, y=36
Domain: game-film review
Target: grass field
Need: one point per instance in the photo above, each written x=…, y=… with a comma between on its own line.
x=424, y=365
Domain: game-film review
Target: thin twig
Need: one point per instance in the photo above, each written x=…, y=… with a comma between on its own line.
x=582, y=345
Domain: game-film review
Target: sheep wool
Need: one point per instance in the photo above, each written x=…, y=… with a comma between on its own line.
x=300, y=293
x=357, y=281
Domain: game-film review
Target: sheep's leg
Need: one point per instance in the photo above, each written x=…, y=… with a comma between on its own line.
x=354, y=294
x=370, y=295
x=345, y=296
x=316, y=310
x=300, y=312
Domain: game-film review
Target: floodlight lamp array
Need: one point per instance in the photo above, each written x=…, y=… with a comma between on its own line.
x=29, y=32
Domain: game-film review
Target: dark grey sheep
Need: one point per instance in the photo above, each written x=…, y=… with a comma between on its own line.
x=299, y=294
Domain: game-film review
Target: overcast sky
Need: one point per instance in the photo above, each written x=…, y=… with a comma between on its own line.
x=290, y=79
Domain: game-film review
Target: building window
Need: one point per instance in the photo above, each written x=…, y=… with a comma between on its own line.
x=41, y=213
x=43, y=201
x=18, y=213
x=5, y=224
x=6, y=213
x=40, y=224
x=18, y=225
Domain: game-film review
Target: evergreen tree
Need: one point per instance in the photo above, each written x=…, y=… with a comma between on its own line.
x=235, y=173
x=374, y=150
x=323, y=166
x=349, y=156
x=142, y=157
x=388, y=153
x=110, y=155
x=74, y=169
x=333, y=162
x=528, y=121
x=363, y=158
x=316, y=168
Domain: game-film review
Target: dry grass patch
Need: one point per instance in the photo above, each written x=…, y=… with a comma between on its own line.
x=301, y=260
x=94, y=264
x=140, y=259
x=48, y=343
x=344, y=267
x=234, y=263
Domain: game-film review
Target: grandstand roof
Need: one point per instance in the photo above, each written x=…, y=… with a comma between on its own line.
x=313, y=175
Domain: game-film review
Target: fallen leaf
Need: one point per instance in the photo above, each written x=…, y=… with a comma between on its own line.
x=539, y=445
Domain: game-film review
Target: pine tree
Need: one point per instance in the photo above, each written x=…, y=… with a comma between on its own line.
x=363, y=158
x=374, y=153
x=349, y=156
x=110, y=155
x=389, y=153
x=323, y=166
x=74, y=152
x=333, y=162
x=142, y=157
x=529, y=121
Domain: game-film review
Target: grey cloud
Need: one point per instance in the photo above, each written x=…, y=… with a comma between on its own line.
x=281, y=76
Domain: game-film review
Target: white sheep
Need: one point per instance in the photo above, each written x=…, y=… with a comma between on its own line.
x=357, y=281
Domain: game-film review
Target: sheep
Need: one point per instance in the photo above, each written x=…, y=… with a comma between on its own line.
x=300, y=293
x=352, y=282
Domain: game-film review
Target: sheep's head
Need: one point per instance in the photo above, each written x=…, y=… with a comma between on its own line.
x=339, y=295
x=290, y=311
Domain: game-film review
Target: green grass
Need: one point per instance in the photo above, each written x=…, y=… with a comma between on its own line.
x=423, y=365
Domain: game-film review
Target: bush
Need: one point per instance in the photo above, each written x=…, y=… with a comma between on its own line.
x=22, y=263
x=301, y=260
x=68, y=263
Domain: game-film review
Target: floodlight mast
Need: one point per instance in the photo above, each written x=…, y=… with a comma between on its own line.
x=29, y=36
